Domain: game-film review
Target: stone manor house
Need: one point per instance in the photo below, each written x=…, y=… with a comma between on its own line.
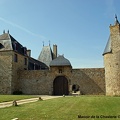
x=54, y=75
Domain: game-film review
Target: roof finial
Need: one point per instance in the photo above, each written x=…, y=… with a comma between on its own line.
x=49, y=42
x=8, y=31
x=43, y=43
x=3, y=31
x=116, y=20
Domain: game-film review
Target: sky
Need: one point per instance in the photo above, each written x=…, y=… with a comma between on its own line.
x=79, y=28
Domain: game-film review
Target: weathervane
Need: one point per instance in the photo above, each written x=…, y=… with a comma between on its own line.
x=115, y=17
x=43, y=43
x=49, y=42
x=116, y=20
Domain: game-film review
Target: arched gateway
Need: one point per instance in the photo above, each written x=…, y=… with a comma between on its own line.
x=60, y=86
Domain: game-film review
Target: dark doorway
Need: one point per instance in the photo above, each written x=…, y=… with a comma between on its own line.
x=60, y=86
x=75, y=88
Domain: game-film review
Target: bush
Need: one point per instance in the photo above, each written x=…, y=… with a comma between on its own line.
x=17, y=93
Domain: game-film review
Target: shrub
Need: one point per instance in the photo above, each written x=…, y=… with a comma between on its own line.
x=17, y=93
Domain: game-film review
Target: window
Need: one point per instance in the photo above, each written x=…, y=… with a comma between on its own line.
x=25, y=50
x=15, y=58
x=25, y=61
x=15, y=46
x=60, y=70
x=34, y=66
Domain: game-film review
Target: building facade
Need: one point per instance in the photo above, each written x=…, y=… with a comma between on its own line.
x=54, y=75
x=112, y=60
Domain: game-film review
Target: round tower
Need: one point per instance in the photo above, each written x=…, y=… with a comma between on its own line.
x=112, y=60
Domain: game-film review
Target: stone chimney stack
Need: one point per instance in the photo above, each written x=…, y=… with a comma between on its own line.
x=54, y=51
x=29, y=53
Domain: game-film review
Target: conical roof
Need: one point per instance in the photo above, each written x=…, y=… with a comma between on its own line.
x=60, y=61
x=108, y=47
x=46, y=55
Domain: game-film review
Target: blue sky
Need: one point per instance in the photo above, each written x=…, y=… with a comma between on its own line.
x=80, y=28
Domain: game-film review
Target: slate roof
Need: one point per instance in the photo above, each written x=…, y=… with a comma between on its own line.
x=46, y=55
x=35, y=64
x=7, y=42
x=5, y=36
x=60, y=61
x=108, y=47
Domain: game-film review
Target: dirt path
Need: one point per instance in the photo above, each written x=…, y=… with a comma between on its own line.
x=19, y=102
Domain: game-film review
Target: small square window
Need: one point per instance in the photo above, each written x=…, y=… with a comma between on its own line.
x=60, y=70
x=15, y=46
x=25, y=50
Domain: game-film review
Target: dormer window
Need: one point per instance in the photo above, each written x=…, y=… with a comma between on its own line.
x=15, y=46
x=25, y=50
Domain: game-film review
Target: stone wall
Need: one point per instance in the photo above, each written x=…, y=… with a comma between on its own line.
x=35, y=82
x=16, y=66
x=9, y=71
x=115, y=38
x=91, y=81
x=112, y=73
x=14, y=77
x=41, y=81
x=112, y=63
x=5, y=72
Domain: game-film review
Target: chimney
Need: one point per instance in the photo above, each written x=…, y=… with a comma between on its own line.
x=29, y=53
x=3, y=31
x=54, y=51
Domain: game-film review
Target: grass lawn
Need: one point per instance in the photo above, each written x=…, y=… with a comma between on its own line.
x=65, y=108
x=6, y=98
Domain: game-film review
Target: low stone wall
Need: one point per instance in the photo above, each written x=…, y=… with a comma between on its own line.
x=35, y=82
x=91, y=81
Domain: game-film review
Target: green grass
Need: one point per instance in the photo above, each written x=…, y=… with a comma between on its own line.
x=65, y=108
x=6, y=98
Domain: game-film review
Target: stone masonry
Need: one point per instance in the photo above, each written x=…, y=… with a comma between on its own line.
x=91, y=81
x=5, y=72
x=112, y=62
x=20, y=72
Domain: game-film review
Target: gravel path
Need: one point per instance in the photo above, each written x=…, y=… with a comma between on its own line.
x=19, y=102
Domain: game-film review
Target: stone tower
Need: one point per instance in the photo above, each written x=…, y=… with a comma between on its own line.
x=112, y=60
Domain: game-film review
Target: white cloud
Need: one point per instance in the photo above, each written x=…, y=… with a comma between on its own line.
x=22, y=28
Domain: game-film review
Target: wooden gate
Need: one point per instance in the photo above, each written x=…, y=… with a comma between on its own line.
x=60, y=86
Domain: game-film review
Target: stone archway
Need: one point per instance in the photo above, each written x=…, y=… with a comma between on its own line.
x=60, y=86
